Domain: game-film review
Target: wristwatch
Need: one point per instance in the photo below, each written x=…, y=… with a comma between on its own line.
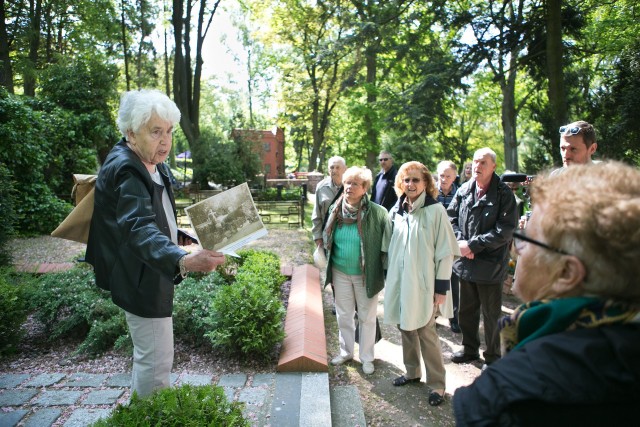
x=182, y=267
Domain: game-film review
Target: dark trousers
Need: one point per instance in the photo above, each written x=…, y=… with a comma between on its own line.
x=473, y=298
x=455, y=295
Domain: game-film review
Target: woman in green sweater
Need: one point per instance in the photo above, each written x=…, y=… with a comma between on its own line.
x=353, y=238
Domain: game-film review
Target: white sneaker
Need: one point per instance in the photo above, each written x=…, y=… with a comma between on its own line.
x=339, y=360
x=368, y=368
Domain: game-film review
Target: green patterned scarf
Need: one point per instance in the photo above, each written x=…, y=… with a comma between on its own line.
x=536, y=319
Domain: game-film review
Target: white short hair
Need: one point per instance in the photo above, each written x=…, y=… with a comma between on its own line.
x=137, y=107
x=484, y=151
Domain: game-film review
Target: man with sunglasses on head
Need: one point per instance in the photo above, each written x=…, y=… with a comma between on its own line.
x=483, y=216
x=382, y=192
x=577, y=144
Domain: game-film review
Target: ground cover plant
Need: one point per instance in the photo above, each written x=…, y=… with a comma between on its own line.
x=237, y=310
x=178, y=406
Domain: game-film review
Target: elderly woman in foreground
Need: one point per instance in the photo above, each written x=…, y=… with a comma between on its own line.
x=571, y=352
x=421, y=254
x=353, y=238
x=133, y=239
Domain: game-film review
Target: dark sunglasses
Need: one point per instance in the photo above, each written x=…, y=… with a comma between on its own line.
x=573, y=130
x=410, y=180
x=384, y=159
x=519, y=239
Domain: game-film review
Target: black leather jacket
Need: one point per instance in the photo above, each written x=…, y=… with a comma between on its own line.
x=487, y=225
x=129, y=242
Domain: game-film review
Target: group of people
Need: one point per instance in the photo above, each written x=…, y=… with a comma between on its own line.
x=442, y=249
x=569, y=354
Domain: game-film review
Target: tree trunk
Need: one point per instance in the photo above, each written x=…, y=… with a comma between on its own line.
x=371, y=132
x=35, y=16
x=6, y=71
x=125, y=49
x=510, y=113
x=555, y=74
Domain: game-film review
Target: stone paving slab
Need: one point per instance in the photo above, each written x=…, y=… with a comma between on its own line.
x=253, y=395
x=85, y=380
x=16, y=397
x=119, y=380
x=44, y=380
x=12, y=380
x=264, y=380
x=103, y=397
x=85, y=417
x=346, y=407
x=195, y=380
x=315, y=404
x=233, y=380
x=10, y=419
x=58, y=397
x=42, y=417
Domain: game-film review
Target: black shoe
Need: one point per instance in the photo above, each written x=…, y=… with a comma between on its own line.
x=435, y=398
x=462, y=357
x=455, y=328
x=402, y=380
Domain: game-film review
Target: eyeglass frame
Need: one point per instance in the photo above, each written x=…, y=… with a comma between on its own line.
x=383, y=159
x=523, y=237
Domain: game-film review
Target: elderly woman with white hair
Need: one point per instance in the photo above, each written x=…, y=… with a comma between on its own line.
x=133, y=239
x=571, y=352
x=354, y=235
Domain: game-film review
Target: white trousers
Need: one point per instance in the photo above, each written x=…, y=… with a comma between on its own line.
x=152, y=352
x=349, y=292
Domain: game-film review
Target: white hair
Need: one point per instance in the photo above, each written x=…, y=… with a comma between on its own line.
x=137, y=107
x=484, y=151
x=337, y=159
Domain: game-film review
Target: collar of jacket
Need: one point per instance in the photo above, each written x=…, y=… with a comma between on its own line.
x=135, y=161
x=399, y=206
x=490, y=197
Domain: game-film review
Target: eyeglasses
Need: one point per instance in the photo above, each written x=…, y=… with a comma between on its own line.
x=410, y=180
x=519, y=239
x=573, y=130
x=383, y=159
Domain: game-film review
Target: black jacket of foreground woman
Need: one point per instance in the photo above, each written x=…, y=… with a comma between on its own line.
x=129, y=242
x=582, y=377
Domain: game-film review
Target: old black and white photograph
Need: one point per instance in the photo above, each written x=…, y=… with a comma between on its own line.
x=226, y=221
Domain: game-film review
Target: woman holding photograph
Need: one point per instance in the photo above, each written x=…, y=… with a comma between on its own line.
x=133, y=239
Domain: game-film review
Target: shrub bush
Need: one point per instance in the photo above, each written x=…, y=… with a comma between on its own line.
x=192, y=305
x=13, y=312
x=246, y=319
x=70, y=303
x=183, y=406
x=9, y=218
x=261, y=267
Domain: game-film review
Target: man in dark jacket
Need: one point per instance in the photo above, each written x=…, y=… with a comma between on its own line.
x=483, y=215
x=382, y=191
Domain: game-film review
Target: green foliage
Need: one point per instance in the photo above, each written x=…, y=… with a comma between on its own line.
x=70, y=303
x=13, y=312
x=192, y=306
x=271, y=194
x=261, y=267
x=246, y=319
x=187, y=406
x=9, y=217
x=31, y=143
x=224, y=162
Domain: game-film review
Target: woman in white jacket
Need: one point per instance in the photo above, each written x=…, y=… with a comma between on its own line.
x=421, y=254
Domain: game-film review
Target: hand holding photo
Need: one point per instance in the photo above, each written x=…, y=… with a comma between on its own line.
x=227, y=221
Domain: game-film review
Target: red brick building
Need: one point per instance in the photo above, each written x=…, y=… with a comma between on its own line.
x=269, y=144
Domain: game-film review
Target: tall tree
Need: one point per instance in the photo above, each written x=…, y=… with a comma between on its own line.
x=187, y=71
x=6, y=69
x=315, y=37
